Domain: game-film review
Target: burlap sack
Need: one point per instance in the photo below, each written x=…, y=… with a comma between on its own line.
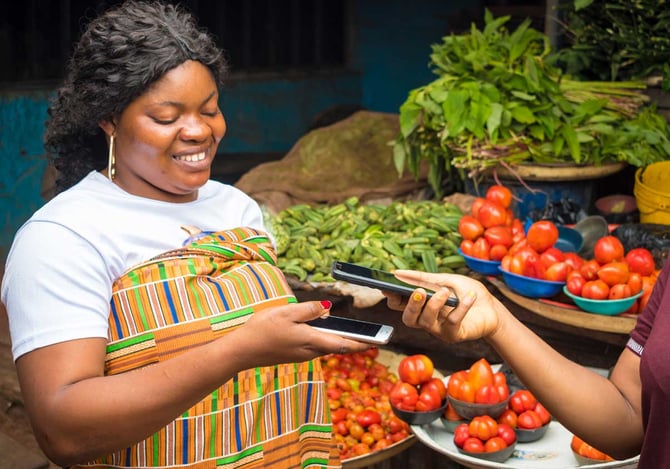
x=352, y=157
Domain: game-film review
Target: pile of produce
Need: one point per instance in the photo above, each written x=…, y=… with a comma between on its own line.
x=358, y=396
x=498, y=101
x=420, y=235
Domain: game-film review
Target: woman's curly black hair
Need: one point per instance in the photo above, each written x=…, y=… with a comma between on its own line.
x=119, y=55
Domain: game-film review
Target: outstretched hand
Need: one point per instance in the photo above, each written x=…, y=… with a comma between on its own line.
x=476, y=316
x=280, y=335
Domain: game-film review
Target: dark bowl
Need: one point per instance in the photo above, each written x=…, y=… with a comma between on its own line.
x=495, y=456
x=480, y=265
x=526, y=435
x=531, y=287
x=420, y=418
x=584, y=461
x=451, y=425
x=469, y=410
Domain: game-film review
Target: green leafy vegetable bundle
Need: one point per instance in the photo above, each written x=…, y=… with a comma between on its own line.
x=498, y=101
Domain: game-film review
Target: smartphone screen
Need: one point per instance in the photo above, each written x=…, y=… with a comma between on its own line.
x=375, y=278
x=354, y=329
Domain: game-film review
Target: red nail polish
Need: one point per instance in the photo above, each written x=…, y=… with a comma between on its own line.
x=325, y=304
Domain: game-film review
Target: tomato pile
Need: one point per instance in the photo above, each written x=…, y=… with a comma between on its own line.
x=584, y=449
x=483, y=435
x=478, y=384
x=490, y=228
x=487, y=433
x=613, y=274
x=358, y=388
x=417, y=389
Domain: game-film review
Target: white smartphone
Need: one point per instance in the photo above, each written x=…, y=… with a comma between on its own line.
x=379, y=279
x=363, y=331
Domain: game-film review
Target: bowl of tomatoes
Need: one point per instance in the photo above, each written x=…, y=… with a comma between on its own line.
x=416, y=417
x=484, y=438
x=527, y=435
x=530, y=286
x=469, y=410
x=482, y=266
x=499, y=456
x=606, y=307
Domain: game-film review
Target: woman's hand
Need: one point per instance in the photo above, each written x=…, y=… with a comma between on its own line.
x=476, y=316
x=280, y=335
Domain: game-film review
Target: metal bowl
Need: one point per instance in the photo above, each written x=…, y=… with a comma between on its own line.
x=592, y=229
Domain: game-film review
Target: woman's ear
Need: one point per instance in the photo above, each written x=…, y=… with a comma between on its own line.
x=108, y=127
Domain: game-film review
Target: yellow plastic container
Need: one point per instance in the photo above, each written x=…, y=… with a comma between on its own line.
x=652, y=193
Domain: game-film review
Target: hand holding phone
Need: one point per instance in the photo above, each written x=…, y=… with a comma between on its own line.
x=362, y=331
x=379, y=279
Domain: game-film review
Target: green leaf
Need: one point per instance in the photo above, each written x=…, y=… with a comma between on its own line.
x=495, y=118
x=409, y=118
x=399, y=157
x=570, y=137
x=523, y=115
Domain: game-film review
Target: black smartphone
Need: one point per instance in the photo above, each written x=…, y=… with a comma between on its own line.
x=363, y=331
x=375, y=278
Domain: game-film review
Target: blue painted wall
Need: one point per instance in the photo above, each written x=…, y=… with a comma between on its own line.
x=389, y=56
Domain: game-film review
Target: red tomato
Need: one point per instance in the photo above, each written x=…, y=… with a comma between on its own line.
x=483, y=427
x=368, y=417
x=500, y=194
x=634, y=282
x=494, y=444
x=470, y=228
x=451, y=414
x=455, y=381
x=640, y=260
x=466, y=247
x=435, y=385
x=499, y=235
x=404, y=396
x=582, y=448
x=573, y=260
x=415, y=369
x=476, y=205
x=543, y=413
x=575, y=282
x=595, y=290
x=338, y=415
x=542, y=235
x=522, y=400
x=473, y=445
x=551, y=256
x=487, y=394
x=608, y=249
x=508, y=417
x=497, y=252
x=480, y=374
x=429, y=399
x=529, y=419
x=461, y=434
x=507, y=433
x=613, y=273
x=466, y=392
x=618, y=291
x=491, y=214
x=481, y=249
x=589, y=269
x=557, y=272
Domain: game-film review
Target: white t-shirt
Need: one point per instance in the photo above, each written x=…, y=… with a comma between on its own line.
x=65, y=258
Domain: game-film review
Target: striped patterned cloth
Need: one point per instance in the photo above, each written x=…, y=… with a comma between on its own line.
x=275, y=416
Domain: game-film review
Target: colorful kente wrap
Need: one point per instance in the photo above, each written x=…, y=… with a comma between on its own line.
x=274, y=416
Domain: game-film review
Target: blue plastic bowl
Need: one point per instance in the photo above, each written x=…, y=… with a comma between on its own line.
x=480, y=265
x=531, y=287
x=606, y=307
x=569, y=239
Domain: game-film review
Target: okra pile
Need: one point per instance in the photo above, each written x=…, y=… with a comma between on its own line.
x=420, y=235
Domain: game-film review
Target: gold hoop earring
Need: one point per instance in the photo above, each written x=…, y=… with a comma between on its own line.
x=111, y=160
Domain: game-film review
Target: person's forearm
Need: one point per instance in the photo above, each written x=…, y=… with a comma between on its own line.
x=582, y=400
x=97, y=416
